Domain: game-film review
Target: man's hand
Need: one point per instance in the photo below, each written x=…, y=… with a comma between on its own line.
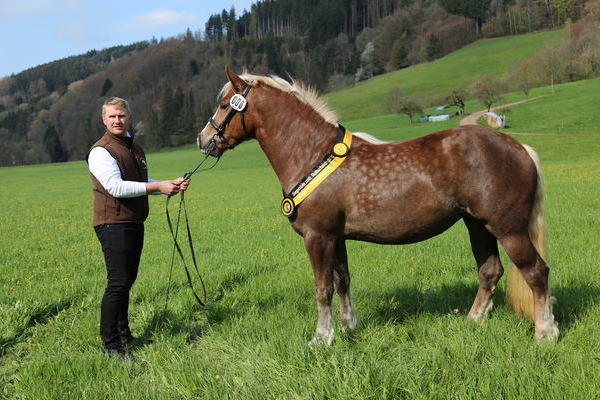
x=183, y=183
x=168, y=187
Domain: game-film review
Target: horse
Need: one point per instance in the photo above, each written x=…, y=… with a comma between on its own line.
x=393, y=193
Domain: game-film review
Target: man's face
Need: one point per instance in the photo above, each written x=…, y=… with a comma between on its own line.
x=116, y=120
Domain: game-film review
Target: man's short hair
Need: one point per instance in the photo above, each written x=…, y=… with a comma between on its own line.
x=117, y=102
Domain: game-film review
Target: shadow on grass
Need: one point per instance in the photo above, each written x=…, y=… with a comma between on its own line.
x=398, y=304
x=192, y=325
x=572, y=303
x=169, y=323
x=240, y=277
x=39, y=316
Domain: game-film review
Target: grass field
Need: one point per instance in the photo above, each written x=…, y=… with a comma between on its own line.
x=415, y=341
x=251, y=341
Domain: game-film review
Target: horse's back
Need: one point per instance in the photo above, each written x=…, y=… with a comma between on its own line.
x=409, y=191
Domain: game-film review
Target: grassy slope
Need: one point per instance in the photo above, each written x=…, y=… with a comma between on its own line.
x=452, y=71
x=251, y=344
x=573, y=108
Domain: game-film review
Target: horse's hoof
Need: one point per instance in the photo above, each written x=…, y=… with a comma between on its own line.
x=351, y=324
x=480, y=315
x=477, y=318
x=319, y=341
x=549, y=333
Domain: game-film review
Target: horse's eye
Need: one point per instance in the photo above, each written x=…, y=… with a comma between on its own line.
x=223, y=106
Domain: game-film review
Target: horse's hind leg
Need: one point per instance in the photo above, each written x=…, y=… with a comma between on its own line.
x=485, y=250
x=321, y=250
x=341, y=280
x=535, y=271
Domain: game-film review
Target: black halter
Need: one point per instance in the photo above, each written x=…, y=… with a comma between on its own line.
x=237, y=104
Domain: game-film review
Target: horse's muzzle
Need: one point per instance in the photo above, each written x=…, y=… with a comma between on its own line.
x=209, y=148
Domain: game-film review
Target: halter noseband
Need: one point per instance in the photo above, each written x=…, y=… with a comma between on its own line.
x=238, y=104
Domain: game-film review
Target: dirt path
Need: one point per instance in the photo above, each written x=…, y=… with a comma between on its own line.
x=472, y=118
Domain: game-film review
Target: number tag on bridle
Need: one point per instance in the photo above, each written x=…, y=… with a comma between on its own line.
x=238, y=102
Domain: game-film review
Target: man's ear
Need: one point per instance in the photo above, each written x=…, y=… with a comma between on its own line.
x=237, y=82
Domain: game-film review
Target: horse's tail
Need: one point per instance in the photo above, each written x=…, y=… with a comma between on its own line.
x=520, y=296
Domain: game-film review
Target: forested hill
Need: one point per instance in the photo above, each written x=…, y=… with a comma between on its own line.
x=50, y=113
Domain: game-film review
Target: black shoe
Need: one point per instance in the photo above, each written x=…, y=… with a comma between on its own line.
x=120, y=353
x=116, y=352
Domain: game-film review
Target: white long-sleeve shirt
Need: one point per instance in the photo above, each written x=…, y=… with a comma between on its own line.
x=105, y=168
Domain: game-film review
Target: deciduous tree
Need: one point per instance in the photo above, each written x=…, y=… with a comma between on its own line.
x=525, y=77
x=551, y=63
x=457, y=98
x=487, y=91
x=398, y=103
x=365, y=71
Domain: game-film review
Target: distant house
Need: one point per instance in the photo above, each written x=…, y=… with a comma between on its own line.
x=439, y=116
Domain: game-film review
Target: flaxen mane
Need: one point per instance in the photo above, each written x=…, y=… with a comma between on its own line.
x=300, y=90
x=305, y=94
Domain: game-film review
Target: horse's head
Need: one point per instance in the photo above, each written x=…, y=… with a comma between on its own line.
x=230, y=125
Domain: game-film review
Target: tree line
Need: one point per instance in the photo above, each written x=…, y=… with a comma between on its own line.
x=321, y=20
x=316, y=20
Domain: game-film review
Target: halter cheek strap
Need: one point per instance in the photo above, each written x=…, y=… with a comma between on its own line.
x=212, y=123
x=237, y=103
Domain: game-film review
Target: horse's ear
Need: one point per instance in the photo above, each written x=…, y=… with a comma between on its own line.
x=237, y=82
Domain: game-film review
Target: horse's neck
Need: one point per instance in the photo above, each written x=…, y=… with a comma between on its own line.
x=294, y=145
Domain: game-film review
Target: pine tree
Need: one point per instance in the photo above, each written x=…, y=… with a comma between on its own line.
x=106, y=87
x=53, y=146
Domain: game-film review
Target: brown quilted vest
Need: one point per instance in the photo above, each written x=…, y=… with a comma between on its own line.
x=132, y=163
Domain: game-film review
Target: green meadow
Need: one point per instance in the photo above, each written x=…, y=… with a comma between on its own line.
x=251, y=341
x=573, y=108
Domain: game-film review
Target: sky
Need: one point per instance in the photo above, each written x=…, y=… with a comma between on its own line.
x=34, y=32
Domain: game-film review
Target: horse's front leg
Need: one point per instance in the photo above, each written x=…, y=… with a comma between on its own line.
x=321, y=250
x=341, y=280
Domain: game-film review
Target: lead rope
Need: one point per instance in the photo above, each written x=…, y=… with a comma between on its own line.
x=177, y=247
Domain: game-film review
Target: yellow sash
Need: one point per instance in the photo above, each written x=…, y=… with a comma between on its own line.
x=311, y=181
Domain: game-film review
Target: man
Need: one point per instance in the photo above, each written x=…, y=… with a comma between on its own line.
x=120, y=185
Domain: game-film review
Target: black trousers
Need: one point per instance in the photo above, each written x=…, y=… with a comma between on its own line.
x=122, y=247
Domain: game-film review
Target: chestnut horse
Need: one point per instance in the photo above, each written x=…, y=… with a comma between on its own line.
x=394, y=193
